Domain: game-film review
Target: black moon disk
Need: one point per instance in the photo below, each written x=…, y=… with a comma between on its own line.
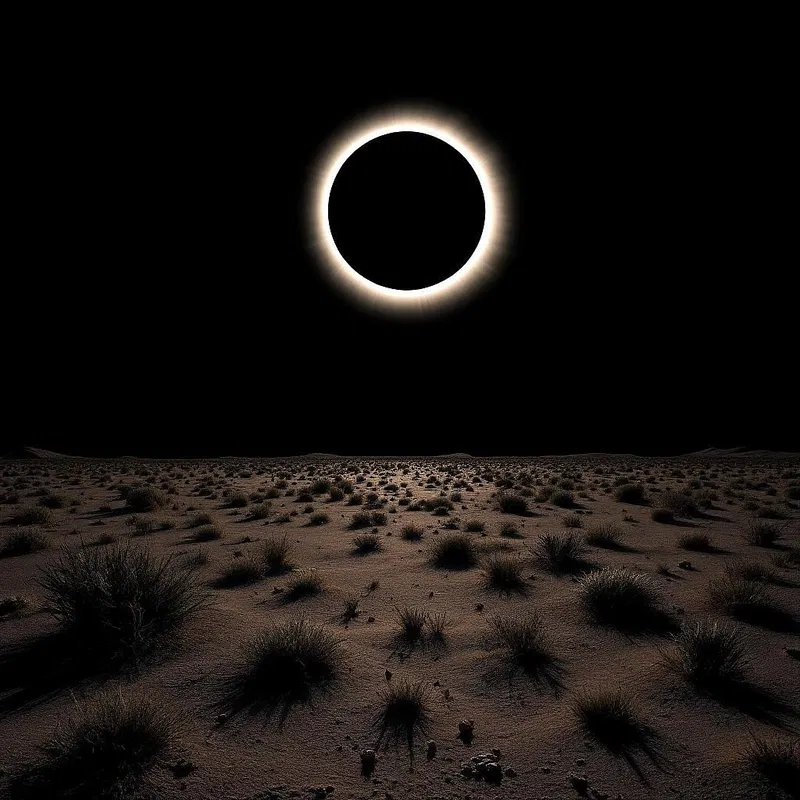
x=406, y=210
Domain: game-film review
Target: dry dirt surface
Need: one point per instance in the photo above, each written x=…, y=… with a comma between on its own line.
x=595, y=568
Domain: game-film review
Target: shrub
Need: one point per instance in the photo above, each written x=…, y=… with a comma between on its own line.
x=709, y=653
x=412, y=532
x=512, y=503
x=304, y=583
x=453, y=551
x=207, y=533
x=288, y=661
x=663, y=515
x=573, y=521
x=31, y=515
x=355, y=499
x=404, y=712
x=741, y=597
x=336, y=494
x=474, y=526
x=510, y=531
x=610, y=716
x=522, y=640
x=241, y=571
x=351, y=604
x=777, y=760
x=318, y=519
x=106, y=748
x=698, y=542
x=411, y=622
x=200, y=519
x=259, y=511
x=145, y=498
x=560, y=552
x=605, y=535
x=752, y=570
x=366, y=543
x=680, y=504
x=367, y=519
x=562, y=498
x=21, y=543
x=632, y=493
x=52, y=500
x=119, y=600
x=621, y=598
x=763, y=533
x=503, y=571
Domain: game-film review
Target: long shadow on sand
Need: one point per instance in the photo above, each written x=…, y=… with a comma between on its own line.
x=37, y=669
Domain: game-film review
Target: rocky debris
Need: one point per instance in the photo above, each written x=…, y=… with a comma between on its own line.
x=685, y=565
x=466, y=730
x=431, y=745
x=486, y=766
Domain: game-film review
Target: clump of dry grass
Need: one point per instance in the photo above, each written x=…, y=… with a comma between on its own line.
x=709, y=653
x=622, y=598
x=453, y=551
x=23, y=542
x=404, y=713
x=610, y=716
x=560, y=552
x=503, y=572
x=276, y=554
x=777, y=760
x=119, y=600
x=105, y=749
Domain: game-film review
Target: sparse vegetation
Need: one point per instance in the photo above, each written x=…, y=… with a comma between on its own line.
x=412, y=532
x=604, y=534
x=304, y=583
x=453, y=551
x=404, y=713
x=366, y=543
x=709, y=653
x=23, y=542
x=119, y=600
x=560, y=552
x=503, y=572
x=631, y=493
x=622, y=598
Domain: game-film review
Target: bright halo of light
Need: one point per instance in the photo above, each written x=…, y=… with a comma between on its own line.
x=484, y=262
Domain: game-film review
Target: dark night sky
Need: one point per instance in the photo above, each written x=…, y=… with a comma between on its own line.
x=166, y=301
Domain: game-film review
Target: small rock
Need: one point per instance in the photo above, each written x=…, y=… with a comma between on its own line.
x=479, y=606
x=222, y=719
x=492, y=772
x=545, y=770
x=436, y=683
x=431, y=749
x=467, y=770
x=277, y=589
x=388, y=675
x=580, y=761
x=511, y=772
x=430, y=594
x=330, y=789
x=685, y=565
x=370, y=619
x=446, y=694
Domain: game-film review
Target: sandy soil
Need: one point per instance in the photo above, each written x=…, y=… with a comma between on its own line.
x=697, y=744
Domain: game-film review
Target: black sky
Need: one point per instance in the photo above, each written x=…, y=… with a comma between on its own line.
x=165, y=300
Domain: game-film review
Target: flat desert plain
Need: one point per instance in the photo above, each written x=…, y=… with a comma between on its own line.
x=455, y=627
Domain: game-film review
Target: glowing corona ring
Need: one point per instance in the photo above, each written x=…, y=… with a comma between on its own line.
x=481, y=265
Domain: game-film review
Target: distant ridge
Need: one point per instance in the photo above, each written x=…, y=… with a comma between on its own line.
x=33, y=452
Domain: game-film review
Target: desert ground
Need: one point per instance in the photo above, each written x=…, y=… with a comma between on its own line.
x=453, y=627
